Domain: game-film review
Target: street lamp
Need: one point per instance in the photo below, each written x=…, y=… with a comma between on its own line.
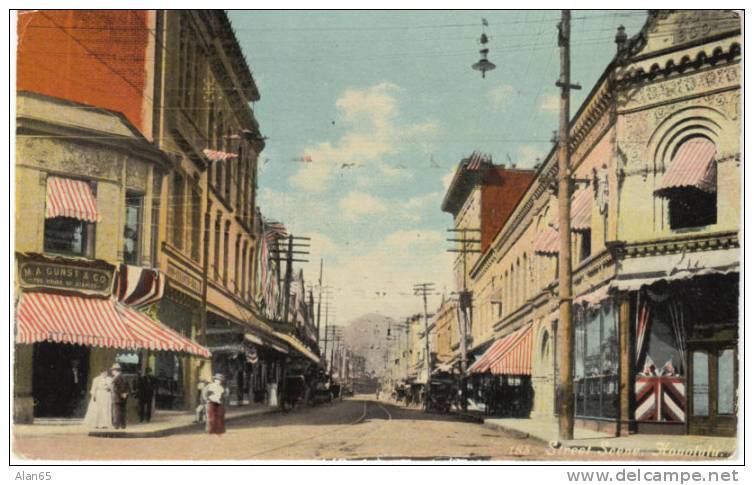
x=483, y=64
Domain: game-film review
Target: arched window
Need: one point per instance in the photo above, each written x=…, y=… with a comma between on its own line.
x=690, y=184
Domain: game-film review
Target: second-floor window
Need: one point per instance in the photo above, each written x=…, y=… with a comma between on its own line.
x=70, y=217
x=690, y=184
x=132, y=231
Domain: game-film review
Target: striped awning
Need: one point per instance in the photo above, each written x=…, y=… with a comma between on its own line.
x=95, y=322
x=153, y=335
x=581, y=210
x=693, y=166
x=71, y=198
x=516, y=360
x=546, y=241
x=495, y=352
x=138, y=287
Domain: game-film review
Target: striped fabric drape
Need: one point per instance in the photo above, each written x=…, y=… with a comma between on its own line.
x=70, y=198
x=138, y=287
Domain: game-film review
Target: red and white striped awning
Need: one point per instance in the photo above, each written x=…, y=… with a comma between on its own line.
x=70, y=198
x=546, y=241
x=516, y=361
x=498, y=350
x=153, y=335
x=693, y=166
x=95, y=322
x=581, y=210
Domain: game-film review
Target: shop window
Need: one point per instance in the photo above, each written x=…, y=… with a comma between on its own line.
x=700, y=389
x=726, y=382
x=692, y=208
x=66, y=235
x=133, y=228
x=596, y=364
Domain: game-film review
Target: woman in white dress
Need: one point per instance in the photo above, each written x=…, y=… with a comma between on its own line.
x=99, y=414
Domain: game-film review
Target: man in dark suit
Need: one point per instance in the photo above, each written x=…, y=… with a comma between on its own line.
x=121, y=390
x=145, y=393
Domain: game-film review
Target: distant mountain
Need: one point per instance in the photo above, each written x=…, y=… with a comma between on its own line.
x=367, y=336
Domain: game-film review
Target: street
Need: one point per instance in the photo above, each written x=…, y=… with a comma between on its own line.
x=354, y=429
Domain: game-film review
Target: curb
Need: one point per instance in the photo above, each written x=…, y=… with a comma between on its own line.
x=512, y=432
x=158, y=433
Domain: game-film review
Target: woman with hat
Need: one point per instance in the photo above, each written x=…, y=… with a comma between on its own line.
x=216, y=395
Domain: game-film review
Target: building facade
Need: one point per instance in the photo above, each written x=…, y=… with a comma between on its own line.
x=83, y=177
x=655, y=221
x=179, y=83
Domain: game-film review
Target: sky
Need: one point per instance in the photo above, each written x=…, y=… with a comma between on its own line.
x=385, y=105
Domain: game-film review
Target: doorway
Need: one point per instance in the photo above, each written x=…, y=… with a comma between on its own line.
x=59, y=380
x=713, y=382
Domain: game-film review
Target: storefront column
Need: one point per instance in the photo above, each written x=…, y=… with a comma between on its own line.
x=626, y=362
x=23, y=403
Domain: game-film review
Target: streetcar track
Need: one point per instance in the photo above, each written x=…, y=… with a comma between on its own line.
x=312, y=437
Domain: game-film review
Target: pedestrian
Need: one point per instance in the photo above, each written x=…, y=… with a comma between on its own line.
x=145, y=394
x=120, y=390
x=99, y=413
x=201, y=409
x=216, y=396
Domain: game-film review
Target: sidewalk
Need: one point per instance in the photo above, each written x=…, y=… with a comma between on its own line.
x=163, y=423
x=663, y=446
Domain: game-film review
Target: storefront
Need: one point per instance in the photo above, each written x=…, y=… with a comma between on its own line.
x=687, y=356
x=74, y=328
x=501, y=377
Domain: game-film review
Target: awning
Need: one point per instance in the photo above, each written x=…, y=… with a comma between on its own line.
x=138, y=287
x=581, y=210
x=95, y=322
x=70, y=198
x=299, y=347
x=547, y=242
x=496, y=351
x=633, y=273
x=516, y=361
x=693, y=166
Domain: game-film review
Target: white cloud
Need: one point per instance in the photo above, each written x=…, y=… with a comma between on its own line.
x=550, y=103
x=501, y=94
x=374, y=133
x=355, y=205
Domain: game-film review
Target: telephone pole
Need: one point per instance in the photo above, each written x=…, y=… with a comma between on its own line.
x=319, y=301
x=565, y=275
x=424, y=289
x=289, y=260
x=468, y=246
